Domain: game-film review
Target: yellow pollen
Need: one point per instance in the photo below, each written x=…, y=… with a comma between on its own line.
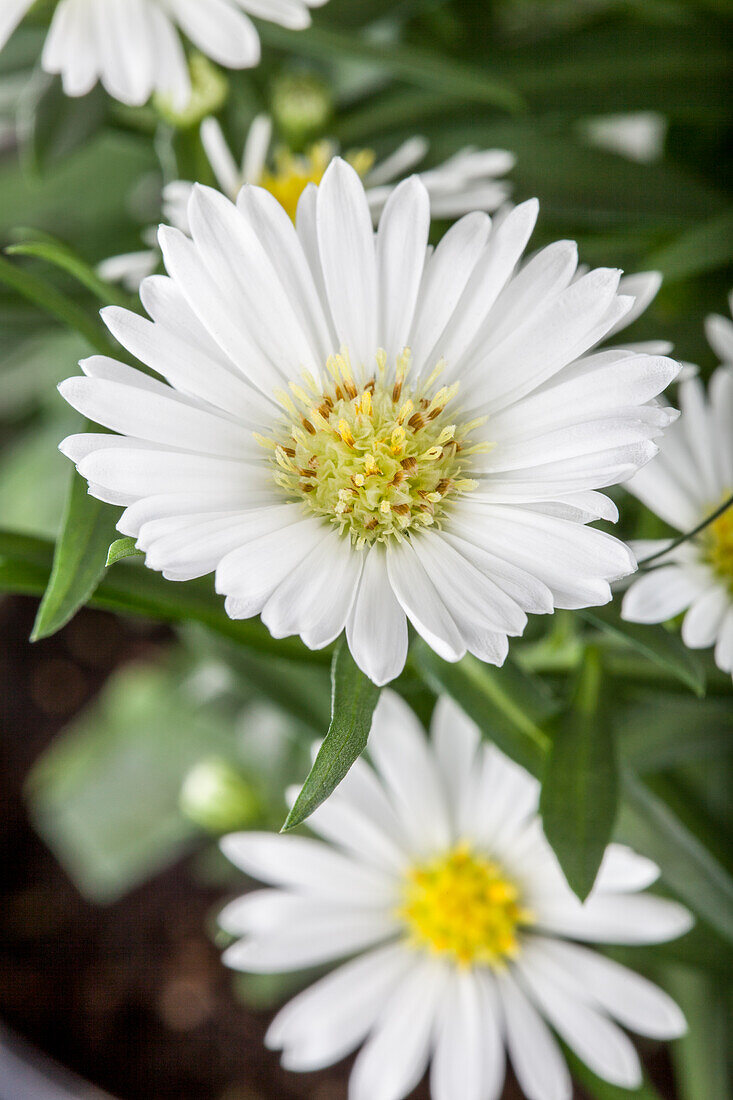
x=461, y=905
x=291, y=173
x=719, y=538
x=353, y=449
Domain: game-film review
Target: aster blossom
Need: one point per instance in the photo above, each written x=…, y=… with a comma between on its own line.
x=133, y=46
x=688, y=481
x=466, y=181
x=356, y=431
x=432, y=870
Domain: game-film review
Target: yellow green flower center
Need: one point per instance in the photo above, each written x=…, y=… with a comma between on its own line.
x=376, y=459
x=463, y=906
x=291, y=173
x=719, y=537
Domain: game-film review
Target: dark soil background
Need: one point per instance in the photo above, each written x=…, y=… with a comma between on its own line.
x=131, y=996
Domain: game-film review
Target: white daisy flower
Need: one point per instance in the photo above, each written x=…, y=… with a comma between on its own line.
x=436, y=875
x=465, y=182
x=719, y=331
x=690, y=478
x=133, y=46
x=357, y=430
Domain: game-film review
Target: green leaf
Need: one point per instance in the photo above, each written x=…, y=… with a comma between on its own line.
x=598, y=1089
x=661, y=731
x=579, y=796
x=54, y=124
x=61, y=256
x=703, y=248
x=25, y=566
x=58, y=305
x=353, y=699
x=79, y=561
x=656, y=643
x=418, y=67
x=701, y=1056
x=506, y=703
x=123, y=548
x=650, y=826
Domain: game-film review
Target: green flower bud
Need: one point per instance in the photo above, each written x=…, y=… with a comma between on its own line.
x=301, y=107
x=209, y=91
x=217, y=797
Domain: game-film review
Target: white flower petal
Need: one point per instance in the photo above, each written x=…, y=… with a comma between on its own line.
x=394, y=1058
x=328, y=1020
x=401, y=242
x=458, y=1061
x=536, y=1057
x=619, y=919
x=376, y=629
x=661, y=594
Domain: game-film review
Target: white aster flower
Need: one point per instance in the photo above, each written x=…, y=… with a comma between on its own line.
x=719, y=331
x=356, y=430
x=436, y=875
x=133, y=46
x=690, y=478
x=465, y=182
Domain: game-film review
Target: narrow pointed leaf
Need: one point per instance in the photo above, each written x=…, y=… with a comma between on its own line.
x=580, y=786
x=657, y=644
x=58, y=305
x=122, y=548
x=506, y=703
x=87, y=529
x=61, y=256
x=353, y=699
x=652, y=827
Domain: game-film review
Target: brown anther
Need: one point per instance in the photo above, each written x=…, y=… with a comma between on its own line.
x=373, y=522
x=409, y=464
x=307, y=473
x=308, y=426
x=398, y=478
x=289, y=451
x=443, y=485
x=325, y=409
x=339, y=392
x=435, y=412
x=350, y=388
x=401, y=509
x=370, y=385
x=397, y=390
x=306, y=488
x=416, y=421
x=424, y=402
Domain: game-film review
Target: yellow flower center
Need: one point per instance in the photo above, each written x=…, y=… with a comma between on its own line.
x=720, y=544
x=292, y=173
x=374, y=458
x=463, y=906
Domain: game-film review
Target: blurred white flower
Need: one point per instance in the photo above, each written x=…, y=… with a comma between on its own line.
x=466, y=181
x=436, y=875
x=638, y=136
x=358, y=431
x=685, y=483
x=133, y=46
x=719, y=331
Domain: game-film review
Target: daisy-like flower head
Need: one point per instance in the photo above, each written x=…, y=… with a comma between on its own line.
x=355, y=430
x=433, y=871
x=690, y=478
x=133, y=46
x=465, y=182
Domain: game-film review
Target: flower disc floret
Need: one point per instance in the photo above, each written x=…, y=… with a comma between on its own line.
x=376, y=459
x=462, y=905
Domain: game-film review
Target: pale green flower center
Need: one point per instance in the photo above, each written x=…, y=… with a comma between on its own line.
x=377, y=458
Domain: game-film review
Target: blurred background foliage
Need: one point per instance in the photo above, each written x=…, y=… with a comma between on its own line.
x=208, y=737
